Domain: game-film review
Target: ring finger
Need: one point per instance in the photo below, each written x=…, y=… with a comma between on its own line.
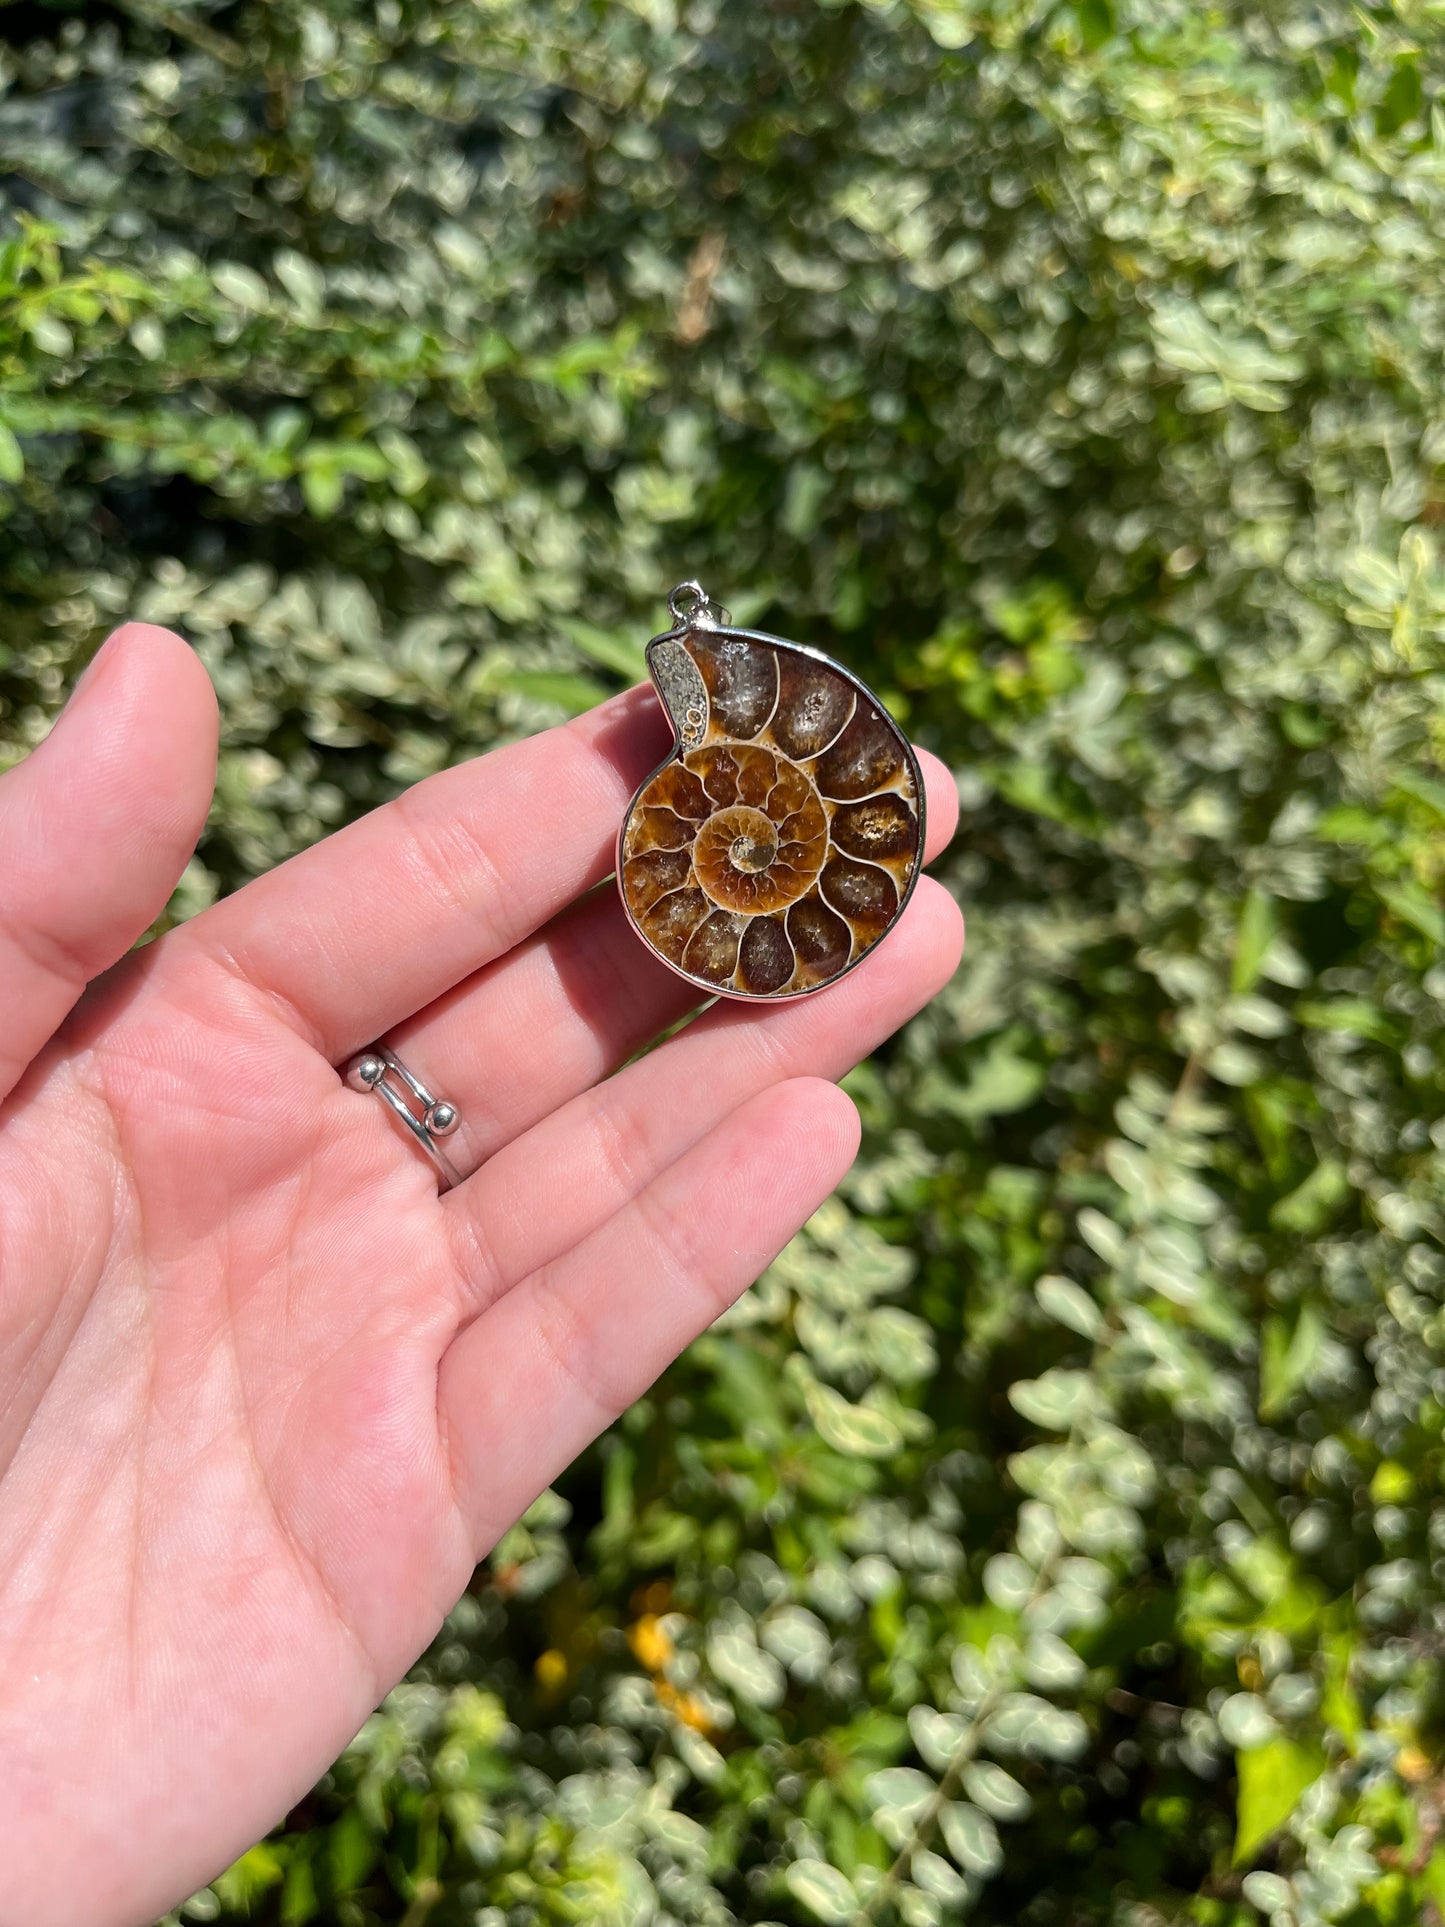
x=556, y=1183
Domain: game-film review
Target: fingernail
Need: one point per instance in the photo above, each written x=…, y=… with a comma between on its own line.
x=105, y=653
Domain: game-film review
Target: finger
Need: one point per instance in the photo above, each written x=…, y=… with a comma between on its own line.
x=555, y=1184
x=942, y=795
x=96, y=826
x=527, y=1385
x=519, y=1038
x=386, y=915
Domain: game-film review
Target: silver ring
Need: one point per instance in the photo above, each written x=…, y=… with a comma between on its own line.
x=382, y=1071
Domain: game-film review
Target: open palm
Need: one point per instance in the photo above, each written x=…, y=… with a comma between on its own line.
x=265, y=1397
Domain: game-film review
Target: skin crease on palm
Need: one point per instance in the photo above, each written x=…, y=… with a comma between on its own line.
x=265, y=1398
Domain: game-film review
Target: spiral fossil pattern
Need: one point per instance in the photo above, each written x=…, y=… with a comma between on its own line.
x=780, y=841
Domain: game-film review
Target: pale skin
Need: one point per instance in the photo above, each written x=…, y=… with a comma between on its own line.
x=265, y=1397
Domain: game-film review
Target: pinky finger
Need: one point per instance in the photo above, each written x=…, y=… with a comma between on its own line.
x=550, y=1365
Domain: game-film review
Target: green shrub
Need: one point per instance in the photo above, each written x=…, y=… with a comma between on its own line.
x=1053, y=1537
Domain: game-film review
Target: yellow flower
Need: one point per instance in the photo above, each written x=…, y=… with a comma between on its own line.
x=551, y=1670
x=686, y=1707
x=1412, y=1764
x=651, y=1642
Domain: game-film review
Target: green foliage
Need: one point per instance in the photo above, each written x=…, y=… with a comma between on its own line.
x=1053, y=1536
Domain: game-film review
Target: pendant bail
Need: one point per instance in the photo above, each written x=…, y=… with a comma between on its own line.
x=691, y=607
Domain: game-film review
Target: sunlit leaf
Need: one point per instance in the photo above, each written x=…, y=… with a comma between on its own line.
x=824, y=1891
x=1270, y=1780
x=971, y=1837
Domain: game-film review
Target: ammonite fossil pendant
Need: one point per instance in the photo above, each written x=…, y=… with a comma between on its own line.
x=781, y=838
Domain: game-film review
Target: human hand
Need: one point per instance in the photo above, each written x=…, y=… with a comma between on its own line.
x=265, y=1397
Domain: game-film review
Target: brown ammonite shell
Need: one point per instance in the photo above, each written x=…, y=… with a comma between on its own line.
x=782, y=837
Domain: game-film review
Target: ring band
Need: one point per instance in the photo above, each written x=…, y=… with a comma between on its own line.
x=382, y=1071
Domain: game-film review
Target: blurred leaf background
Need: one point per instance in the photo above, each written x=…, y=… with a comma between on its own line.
x=1053, y=1537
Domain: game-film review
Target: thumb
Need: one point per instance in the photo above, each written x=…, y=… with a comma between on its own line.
x=96, y=826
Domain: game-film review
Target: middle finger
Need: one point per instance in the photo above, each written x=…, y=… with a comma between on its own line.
x=554, y=1016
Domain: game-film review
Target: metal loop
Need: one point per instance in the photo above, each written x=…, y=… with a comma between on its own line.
x=695, y=609
x=382, y=1072
x=699, y=611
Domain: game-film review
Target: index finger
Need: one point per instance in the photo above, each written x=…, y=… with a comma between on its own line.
x=373, y=923
x=380, y=919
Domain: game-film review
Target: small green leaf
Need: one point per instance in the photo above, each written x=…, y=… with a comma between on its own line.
x=1246, y=1722
x=1236, y=1064
x=1415, y=906
x=1069, y=1304
x=937, y=1736
x=1102, y=1235
x=1252, y=938
x=1392, y=1483
x=1271, y=1779
x=611, y=648
x=797, y=1638
x=572, y=693
x=50, y=335
x=808, y=490
x=1003, y=1081
x=321, y=489
x=1057, y=1734
x=1052, y=1663
x=1096, y=22
x=858, y=1430
x=352, y=1849
x=1026, y=1723
x=902, y=1790
x=1008, y=1580
x=937, y=1878
x=12, y=459
x=1313, y=1204
x=148, y=337
x=241, y=286
x=1260, y=1016
x=299, y=1902
x=1402, y=99
x=753, y=1675
x=301, y=278
x=827, y=1894
x=1056, y=1400
x=1271, y=1893
x=1423, y=789
x=1353, y=1015
x=972, y=1838
x=248, y=1879
x=1288, y=1354
x=997, y=1792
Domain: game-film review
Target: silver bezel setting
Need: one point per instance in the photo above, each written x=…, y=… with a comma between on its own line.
x=703, y=622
